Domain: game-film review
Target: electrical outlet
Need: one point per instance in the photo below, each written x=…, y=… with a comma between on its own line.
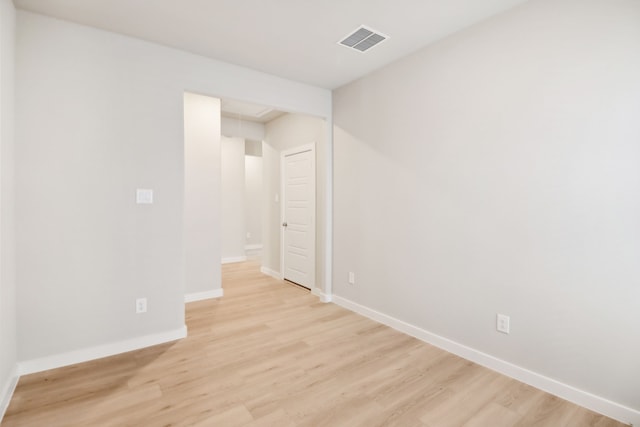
x=144, y=196
x=141, y=305
x=352, y=278
x=502, y=323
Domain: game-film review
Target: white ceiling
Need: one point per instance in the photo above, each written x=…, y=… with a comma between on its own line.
x=294, y=39
x=248, y=111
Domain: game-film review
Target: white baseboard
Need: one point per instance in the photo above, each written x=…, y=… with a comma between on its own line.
x=253, y=251
x=6, y=393
x=199, y=296
x=323, y=297
x=105, y=350
x=270, y=272
x=231, y=260
x=595, y=403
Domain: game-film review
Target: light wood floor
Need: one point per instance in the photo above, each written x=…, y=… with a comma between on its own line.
x=269, y=354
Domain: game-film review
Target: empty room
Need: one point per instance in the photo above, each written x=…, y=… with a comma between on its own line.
x=338, y=213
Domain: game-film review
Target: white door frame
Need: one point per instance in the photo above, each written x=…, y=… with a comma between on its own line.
x=283, y=155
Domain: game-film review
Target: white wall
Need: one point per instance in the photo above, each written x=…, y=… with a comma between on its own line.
x=253, y=134
x=283, y=133
x=99, y=115
x=94, y=124
x=497, y=171
x=242, y=128
x=254, y=199
x=233, y=199
x=271, y=210
x=202, y=192
x=242, y=199
x=7, y=263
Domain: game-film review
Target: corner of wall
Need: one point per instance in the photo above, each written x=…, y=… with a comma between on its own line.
x=8, y=336
x=6, y=392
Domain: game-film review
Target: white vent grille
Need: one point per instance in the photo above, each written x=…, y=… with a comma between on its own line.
x=363, y=39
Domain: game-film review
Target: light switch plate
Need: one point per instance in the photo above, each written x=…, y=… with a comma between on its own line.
x=144, y=196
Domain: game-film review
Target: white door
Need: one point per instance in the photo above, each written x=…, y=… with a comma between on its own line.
x=298, y=219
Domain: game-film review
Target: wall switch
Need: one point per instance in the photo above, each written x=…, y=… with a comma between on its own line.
x=144, y=196
x=248, y=235
x=141, y=305
x=276, y=198
x=502, y=323
x=352, y=278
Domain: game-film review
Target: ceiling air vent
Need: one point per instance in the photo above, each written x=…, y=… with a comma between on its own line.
x=363, y=39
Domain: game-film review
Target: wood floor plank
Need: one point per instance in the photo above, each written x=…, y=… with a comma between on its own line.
x=493, y=415
x=270, y=354
x=550, y=409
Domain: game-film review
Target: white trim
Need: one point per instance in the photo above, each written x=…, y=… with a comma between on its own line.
x=7, y=391
x=199, y=296
x=580, y=397
x=272, y=273
x=323, y=297
x=231, y=260
x=253, y=251
x=98, y=352
x=283, y=155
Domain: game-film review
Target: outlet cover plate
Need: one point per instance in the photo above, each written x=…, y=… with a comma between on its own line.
x=141, y=305
x=144, y=196
x=503, y=323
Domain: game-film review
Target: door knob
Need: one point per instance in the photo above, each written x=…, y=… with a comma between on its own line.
x=284, y=224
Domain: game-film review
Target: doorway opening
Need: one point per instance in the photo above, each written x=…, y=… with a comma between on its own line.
x=276, y=135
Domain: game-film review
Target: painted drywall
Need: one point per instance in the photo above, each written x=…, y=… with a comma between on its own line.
x=254, y=199
x=285, y=132
x=99, y=115
x=202, y=192
x=232, y=127
x=497, y=172
x=92, y=127
x=8, y=346
x=233, y=223
x=270, y=210
x=253, y=134
x=253, y=147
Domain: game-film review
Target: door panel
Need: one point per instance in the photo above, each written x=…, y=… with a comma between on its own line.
x=299, y=217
